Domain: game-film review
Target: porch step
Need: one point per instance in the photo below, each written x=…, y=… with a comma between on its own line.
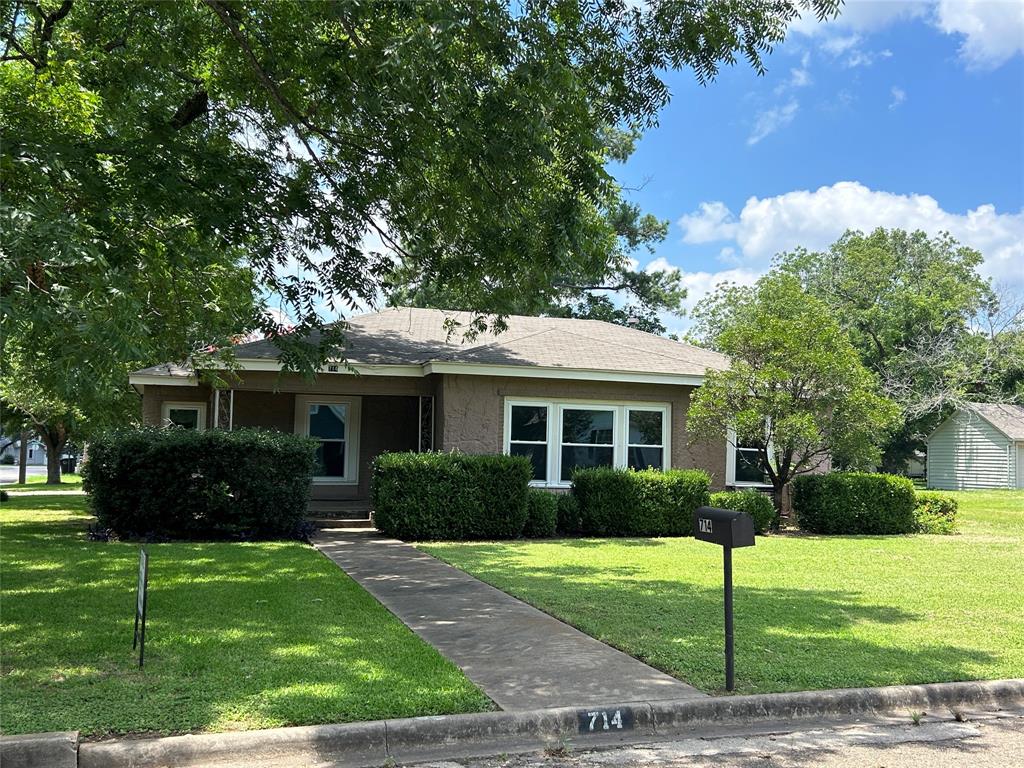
x=341, y=522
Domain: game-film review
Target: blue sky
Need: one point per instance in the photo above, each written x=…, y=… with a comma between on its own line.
x=906, y=114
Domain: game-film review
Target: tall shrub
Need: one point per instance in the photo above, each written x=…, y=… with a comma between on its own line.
x=854, y=503
x=187, y=484
x=756, y=504
x=450, y=496
x=625, y=502
x=541, y=514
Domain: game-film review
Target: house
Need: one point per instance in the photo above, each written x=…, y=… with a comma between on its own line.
x=35, y=456
x=563, y=392
x=979, y=446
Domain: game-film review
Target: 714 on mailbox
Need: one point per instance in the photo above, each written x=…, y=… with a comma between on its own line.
x=728, y=529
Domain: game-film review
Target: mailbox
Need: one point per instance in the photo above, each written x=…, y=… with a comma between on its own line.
x=724, y=527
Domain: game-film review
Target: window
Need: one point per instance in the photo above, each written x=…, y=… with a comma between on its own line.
x=559, y=437
x=334, y=423
x=588, y=439
x=184, y=415
x=528, y=436
x=646, y=448
x=744, y=466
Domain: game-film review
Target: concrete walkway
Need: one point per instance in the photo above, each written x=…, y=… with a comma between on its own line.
x=519, y=656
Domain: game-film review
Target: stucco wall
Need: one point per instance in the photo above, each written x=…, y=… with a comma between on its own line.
x=474, y=413
x=153, y=398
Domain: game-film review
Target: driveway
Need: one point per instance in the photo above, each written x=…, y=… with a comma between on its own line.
x=519, y=656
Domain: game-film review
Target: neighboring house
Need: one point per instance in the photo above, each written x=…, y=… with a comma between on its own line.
x=979, y=446
x=565, y=393
x=36, y=455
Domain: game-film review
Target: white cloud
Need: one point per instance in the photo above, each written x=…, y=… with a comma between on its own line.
x=898, y=97
x=771, y=120
x=815, y=219
x=700, y=284
x=993, y=30
x=711, y=221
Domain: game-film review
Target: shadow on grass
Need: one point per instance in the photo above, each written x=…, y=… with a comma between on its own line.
x=238, y=636
x=786, y=639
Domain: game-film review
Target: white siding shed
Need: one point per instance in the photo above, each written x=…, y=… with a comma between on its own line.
x=978, y=446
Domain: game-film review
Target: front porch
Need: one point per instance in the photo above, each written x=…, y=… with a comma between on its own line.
x=354, y=418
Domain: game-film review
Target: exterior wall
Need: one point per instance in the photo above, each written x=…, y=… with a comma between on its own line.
x=153, y=398
x=967, y=452
x=474, y=414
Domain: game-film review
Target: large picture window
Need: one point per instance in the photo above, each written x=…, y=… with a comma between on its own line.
x=334, y=424
x=561, y=436
x=588, y=439
x=744, y=465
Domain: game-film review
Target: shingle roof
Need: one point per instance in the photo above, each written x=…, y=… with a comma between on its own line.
x=411, y=336
x=1008, y=419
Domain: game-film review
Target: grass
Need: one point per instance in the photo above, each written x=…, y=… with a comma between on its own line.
x=811, y=612
x=68, y=482
x=239, y=636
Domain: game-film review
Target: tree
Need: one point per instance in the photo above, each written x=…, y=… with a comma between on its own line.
x=795, y=389
x=914, y=307
x=468, y=138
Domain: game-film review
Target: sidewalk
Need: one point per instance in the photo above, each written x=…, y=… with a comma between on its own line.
x=519, y=656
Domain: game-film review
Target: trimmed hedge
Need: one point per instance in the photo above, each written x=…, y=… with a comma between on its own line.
x=935, y=513
x=854, y=503
x=450, y=496
x=188, y=484
x=756, y=504
x=541, y=514
x=568, y=513
x=626, y=502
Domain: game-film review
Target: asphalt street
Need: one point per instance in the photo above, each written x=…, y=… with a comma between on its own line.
x=986, y=742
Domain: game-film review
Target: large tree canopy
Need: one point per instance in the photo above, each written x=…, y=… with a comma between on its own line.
x=467, y=138
x=796, y=389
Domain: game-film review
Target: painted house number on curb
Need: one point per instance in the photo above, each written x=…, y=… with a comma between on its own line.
x=605, y=720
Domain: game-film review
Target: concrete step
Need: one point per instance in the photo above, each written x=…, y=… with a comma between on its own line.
x=343, y=522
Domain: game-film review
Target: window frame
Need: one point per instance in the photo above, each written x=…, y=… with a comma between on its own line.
x=183, y=405
x=620, y=430
x=731, y=447
x=302, y=403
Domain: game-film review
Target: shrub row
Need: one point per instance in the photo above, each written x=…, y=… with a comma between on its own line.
x=854, y=503
x=541, y=514
x=621, y=502
x=450, y=496
x=178, y=483
x=756, y=504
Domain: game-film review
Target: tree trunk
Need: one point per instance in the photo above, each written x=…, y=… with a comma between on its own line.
x=55, y=437
x=779, y=497
x=23, y=459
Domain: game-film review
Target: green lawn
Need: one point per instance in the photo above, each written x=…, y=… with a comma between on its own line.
x=811, y=612
x=239, y=636
x=68, y=482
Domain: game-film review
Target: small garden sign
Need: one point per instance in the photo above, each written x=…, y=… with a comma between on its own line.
x=139, y=640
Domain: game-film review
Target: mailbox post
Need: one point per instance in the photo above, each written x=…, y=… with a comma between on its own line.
x=728, y=529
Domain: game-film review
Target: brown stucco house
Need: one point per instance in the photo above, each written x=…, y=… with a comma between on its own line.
x=563, y=392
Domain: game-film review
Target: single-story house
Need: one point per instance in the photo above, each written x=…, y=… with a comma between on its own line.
x=978, y=446
x=35, y=456
x=563, y=392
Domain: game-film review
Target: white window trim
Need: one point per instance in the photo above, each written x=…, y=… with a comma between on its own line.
x=184, y=405
x=730, y=464
x=620, y=432
x=302, y=403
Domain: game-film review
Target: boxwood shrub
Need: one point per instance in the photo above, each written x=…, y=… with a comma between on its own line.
x=935, y=513
x=188, y=484
x=626, y=502
x=756, y=504
x=568, y=513
x=450, y=496
x=854, y=503
x=541, y=514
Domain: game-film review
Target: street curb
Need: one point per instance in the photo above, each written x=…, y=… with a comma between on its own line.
x=40, y=750
x=358, y=745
